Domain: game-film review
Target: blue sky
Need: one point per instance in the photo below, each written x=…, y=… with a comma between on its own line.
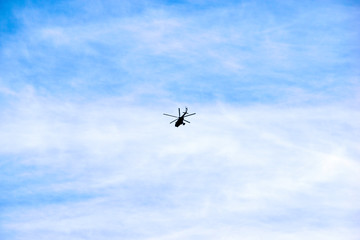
x=85, y=152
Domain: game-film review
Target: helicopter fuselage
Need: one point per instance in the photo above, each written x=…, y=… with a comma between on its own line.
x=180, y=121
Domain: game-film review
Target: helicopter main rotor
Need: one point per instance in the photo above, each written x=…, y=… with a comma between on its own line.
x=180, y=119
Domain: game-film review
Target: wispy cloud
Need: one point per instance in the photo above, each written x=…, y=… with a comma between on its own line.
x=83, y=169
x=249, y=46
x=272, y=152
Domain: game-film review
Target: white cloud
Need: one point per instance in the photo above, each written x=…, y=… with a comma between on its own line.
x=107, y=164
x=233, y=172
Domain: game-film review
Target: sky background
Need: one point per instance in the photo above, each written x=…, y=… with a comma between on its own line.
x=272, y=152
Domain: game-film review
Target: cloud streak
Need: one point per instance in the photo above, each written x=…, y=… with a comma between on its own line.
x=165, y=46
x=280, y=170
x=85, y=151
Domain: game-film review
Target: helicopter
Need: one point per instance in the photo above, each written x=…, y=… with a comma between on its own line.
x=181, y=119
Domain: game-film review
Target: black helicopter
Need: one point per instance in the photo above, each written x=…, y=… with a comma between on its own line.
x=181, y=119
